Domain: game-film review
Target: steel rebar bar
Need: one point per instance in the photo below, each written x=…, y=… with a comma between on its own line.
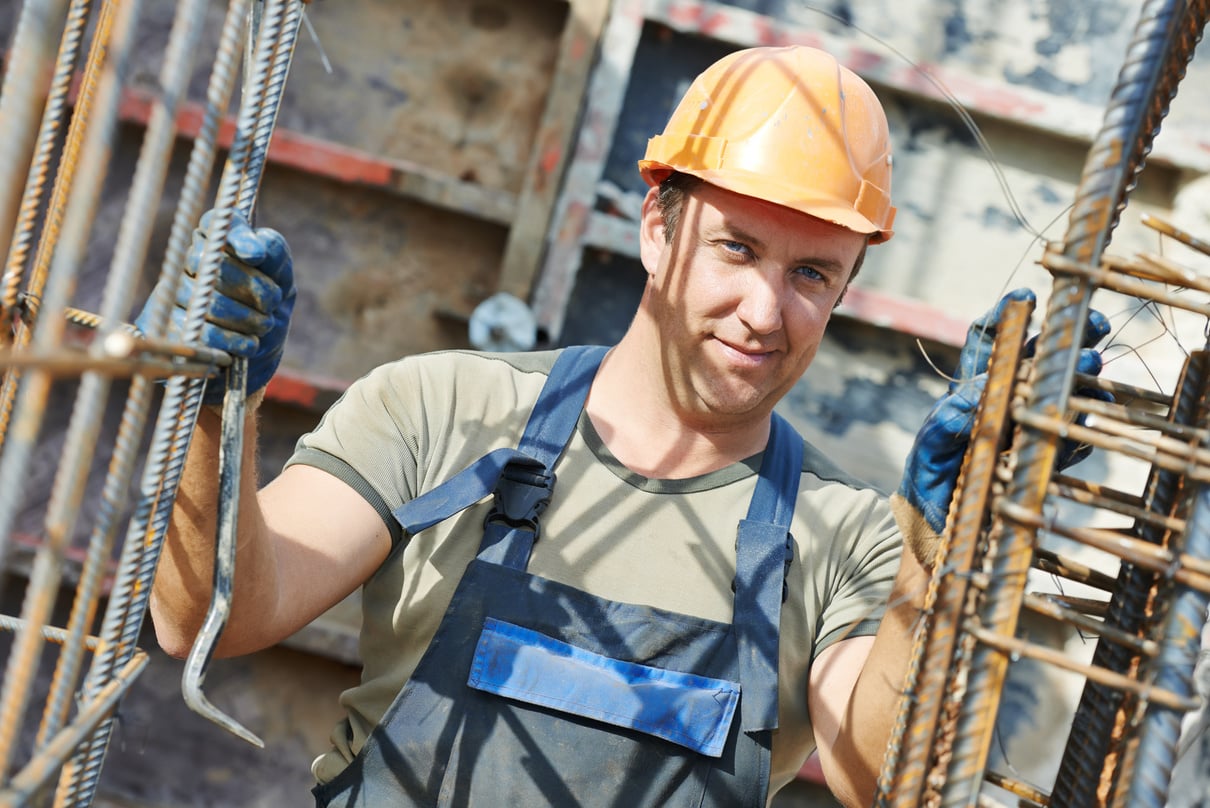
x=78, y=216
x=130, y=254
x=140, y=549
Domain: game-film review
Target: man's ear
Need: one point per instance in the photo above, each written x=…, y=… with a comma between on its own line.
x=652, y=241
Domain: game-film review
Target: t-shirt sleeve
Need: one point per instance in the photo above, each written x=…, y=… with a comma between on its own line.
x=367, y=440
x=863, y=572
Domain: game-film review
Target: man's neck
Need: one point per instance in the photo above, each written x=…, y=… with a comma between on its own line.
x=631, y=411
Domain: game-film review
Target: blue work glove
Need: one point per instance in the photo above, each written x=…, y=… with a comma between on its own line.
x=930, y=475
x=250, y=307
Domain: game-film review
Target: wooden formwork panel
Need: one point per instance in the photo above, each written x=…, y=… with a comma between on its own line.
x=379, y=277
x=457, y=85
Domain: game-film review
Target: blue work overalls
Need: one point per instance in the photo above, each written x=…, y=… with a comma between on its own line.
x=536, y=693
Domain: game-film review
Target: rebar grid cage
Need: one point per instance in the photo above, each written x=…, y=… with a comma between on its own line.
x=59, y=106
x=1012, y=506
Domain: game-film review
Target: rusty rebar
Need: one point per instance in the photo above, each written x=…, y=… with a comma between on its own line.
x=1093, y=757
x=1049, y=606
x=266, y=82
x=66, y=362
x=130, y=254
x=1055, y=564
x=1136, y=396
x=1172, y=668
x=39, y=167
x=1120, y=417
x=935, y=667
x=1171, y=230
x=61, y=271
x=42, y=768
x=1144, y=89
x=97, y=73
x=1015, y=647
x=1111, y=275
x=145, y=529
x=1190, y=570
x=27, y=80
x=1138, y=511
x=1032, y=794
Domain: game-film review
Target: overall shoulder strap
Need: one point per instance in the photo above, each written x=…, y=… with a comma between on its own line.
x=558, y=407
x=764, y=550
x=550, y=425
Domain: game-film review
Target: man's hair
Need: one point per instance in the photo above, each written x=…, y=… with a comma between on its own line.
x=856, y=268
x=671, y=201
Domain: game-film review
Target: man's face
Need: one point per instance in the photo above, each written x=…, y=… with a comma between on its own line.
x=740, y=297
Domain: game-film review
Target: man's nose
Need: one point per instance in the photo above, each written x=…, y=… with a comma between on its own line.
x=760, y=306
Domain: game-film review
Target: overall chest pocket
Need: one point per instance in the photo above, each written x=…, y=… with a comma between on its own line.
x=685, y=709
x=563, y=725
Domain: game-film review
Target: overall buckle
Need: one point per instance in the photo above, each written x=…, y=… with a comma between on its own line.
x=522, y=494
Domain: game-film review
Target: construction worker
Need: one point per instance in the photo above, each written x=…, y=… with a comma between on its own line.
x=598, y=577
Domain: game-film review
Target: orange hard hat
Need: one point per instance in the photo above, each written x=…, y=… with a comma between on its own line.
x=788, y=125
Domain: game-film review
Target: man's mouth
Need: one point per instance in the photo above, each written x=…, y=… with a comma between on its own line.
x=750, y=355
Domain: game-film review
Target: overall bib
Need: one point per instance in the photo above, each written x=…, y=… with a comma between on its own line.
x=536, y=693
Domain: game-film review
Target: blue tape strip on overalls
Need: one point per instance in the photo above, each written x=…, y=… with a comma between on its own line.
x=689, y=710
x=546, y=433
x=764, y=550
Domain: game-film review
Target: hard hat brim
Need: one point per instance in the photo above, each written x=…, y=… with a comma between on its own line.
x=836, y=211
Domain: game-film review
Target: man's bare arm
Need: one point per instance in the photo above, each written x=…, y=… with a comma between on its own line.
x=305, y=542
x=308, y=539
x=854, y=692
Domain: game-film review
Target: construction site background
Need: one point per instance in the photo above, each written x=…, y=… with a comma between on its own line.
x=434, y=152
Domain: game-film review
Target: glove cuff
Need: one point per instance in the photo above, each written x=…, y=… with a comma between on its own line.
x=918, y=535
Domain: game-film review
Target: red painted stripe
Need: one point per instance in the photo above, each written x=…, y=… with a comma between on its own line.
x=309, y=154
x=73, y=555
x=305, y=390
x=903, y=314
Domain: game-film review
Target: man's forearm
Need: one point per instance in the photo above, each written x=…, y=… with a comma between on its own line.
x=184, y=579
x=869, y=719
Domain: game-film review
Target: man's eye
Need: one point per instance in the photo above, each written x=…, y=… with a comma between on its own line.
x=810, y=272
x=736, y=247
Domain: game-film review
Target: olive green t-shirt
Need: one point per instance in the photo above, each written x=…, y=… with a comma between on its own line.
x=414, y=423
